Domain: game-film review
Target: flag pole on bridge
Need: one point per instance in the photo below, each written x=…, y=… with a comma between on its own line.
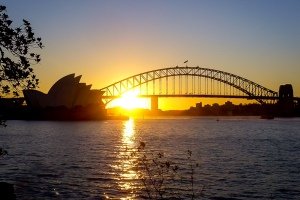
x=185, y=62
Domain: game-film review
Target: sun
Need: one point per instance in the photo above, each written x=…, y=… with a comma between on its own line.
x=130, y=101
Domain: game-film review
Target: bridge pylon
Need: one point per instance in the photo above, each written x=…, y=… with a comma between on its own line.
x=154, y=103
x=286, y=100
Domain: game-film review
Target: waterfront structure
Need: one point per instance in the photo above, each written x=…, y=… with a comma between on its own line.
x=67, y=92
x=194, y=82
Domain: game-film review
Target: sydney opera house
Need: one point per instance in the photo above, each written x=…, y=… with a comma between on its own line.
x=67, y=94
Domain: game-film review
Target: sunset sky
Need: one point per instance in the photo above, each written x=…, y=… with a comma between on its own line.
x=106, y=41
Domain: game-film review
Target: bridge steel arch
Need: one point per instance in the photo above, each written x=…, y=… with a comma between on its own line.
x=250, y=89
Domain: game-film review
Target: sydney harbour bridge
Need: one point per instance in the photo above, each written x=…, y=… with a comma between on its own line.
x=194, y=82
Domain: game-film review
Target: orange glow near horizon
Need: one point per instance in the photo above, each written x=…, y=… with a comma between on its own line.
x=130, y=101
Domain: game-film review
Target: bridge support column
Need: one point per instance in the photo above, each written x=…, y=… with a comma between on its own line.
x=154, y=103
x=286, y=100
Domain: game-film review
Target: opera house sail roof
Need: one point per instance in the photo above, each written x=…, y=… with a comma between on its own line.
x=67, y=92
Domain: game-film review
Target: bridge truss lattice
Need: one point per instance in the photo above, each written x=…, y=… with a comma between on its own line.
x=189, y=82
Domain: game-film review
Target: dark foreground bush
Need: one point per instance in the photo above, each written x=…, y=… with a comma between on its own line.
x=162, y=177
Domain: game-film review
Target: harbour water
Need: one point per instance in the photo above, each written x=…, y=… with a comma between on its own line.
x=237, y=157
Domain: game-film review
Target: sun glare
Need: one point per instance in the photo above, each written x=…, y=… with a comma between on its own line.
x=129, y=101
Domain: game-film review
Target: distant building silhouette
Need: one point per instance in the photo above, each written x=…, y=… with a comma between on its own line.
x=66, y=92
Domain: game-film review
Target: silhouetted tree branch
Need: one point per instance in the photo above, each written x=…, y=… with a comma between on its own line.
x=17, y=56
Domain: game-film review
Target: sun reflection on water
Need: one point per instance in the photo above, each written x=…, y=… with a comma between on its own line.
x=127, y=174
x=128, y=132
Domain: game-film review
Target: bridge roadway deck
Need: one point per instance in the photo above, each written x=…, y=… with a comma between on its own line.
x=201, y=95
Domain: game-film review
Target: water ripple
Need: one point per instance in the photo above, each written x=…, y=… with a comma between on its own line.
x=239, y=158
